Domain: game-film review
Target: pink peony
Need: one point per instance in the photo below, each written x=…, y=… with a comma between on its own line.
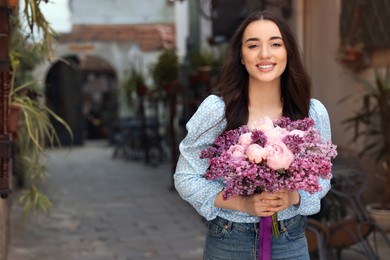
x=248, y=162
x=276, y=135
x=245, y=139
x=256, y=153
x=297, y=132
x=237, y=151
x=279, y=156
x=265, y=124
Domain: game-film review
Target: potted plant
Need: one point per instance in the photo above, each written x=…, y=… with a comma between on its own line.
x=371, y=126
x=203, y=66
x=165, y=73
x=35, y=130
x=203, y=63
x=352, y=52
x=134, y=83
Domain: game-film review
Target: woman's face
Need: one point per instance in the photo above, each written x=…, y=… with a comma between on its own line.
x=263, y=52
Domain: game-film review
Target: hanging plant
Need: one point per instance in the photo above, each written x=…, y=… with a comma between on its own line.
x=36, y=130
x=352, y=52
x=165, y=72
x=371, y=124
x=135, y=83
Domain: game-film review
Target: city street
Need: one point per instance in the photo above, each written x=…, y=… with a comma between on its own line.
x=110, y=209
x=107, y=209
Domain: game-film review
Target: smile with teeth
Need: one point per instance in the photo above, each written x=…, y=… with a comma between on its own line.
x=268, y=66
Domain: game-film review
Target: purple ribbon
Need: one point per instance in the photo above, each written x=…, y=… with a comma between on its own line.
x=265, y=237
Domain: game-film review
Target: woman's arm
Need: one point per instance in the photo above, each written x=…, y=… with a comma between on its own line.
x=202, y=129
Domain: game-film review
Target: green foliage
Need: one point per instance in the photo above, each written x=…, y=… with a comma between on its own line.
x=134, y=81
x=371, y=122
x=34, y=201
x=199, y=58
x=36, y=21
x=36, y=115
x=166, y=69
x=36, y=130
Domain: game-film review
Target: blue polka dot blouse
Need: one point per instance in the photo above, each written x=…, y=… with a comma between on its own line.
x=202, y=129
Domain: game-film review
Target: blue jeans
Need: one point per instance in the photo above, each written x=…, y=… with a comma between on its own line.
x=227, y=240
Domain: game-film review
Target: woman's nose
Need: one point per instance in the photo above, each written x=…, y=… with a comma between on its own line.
x=264, y=51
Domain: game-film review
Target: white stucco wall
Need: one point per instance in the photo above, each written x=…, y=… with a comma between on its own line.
x=331, y=81
x=121, y=11
x=181, y=27
x=117, y=12
x=121, y=56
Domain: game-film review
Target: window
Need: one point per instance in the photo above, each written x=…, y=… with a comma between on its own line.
x=367, y=22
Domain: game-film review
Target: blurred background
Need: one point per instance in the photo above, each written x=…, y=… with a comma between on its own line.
x=124, y=76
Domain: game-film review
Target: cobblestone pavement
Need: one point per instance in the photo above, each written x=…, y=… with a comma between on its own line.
x=105, y=209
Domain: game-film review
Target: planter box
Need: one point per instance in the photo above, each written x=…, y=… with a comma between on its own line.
x=380, y=216
x=13, y=3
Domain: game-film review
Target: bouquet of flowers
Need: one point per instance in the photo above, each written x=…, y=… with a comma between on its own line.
x=271, y=156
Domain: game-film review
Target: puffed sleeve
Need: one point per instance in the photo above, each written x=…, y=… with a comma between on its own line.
x=311, y=203
x=202, y=129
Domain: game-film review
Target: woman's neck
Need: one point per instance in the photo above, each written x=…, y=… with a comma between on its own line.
x=264, y=100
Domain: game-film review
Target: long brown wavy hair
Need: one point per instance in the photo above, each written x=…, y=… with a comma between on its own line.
x=232, y=82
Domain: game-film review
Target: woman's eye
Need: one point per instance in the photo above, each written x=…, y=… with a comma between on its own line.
x=252, y=46
x=276, y=44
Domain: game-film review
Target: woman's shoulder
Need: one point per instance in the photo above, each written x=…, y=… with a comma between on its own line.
x=209, y=117
x=213, y=101
x=317, y=108
x=212, y=108
x=321, y=118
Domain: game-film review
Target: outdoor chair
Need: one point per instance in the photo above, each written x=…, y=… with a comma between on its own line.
x=317, y=235
x=132, y=141
x=347, y=219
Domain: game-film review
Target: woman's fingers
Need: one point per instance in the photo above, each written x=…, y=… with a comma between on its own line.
x=255, y=205
x=266, y=204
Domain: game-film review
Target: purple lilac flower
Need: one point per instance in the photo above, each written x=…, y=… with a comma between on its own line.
x=283, y=122
x=312, y=160
x=258, y=137
x=303, y=124
x=294, y=143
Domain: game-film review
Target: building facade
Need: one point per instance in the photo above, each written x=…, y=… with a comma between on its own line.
x=106, y=42
x=125, y=34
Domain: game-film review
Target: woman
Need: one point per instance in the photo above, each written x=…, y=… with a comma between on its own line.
x=262, y=76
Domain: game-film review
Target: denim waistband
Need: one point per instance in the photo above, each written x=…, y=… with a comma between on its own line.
x=253, y=227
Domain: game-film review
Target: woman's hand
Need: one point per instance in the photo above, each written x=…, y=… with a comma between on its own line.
x=260, y=204
x=266, y=204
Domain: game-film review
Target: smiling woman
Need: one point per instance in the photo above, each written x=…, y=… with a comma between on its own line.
x=264, y=57
x=263, y=75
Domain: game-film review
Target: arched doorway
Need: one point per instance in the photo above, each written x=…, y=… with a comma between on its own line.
x=100, y=101
x=82, y=91
x=63, y=96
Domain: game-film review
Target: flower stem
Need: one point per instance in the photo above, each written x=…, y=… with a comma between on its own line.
x=275, y=229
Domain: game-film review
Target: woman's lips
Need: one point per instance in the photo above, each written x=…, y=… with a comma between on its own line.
x=265, y=67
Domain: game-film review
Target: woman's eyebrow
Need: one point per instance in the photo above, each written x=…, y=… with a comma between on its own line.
x=252, y=39
x=257, y=39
